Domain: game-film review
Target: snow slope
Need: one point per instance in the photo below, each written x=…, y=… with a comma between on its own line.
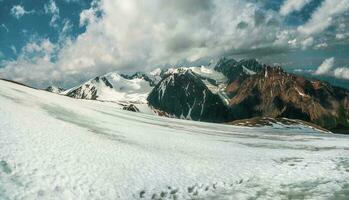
x=56, y=147
x=112, y=87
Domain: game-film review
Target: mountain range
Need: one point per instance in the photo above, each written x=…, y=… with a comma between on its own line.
x=57, y=147
x=222, y=93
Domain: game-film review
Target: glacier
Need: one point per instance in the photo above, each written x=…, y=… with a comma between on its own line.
x=56, y=147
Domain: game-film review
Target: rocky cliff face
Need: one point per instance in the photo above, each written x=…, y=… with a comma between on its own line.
x=140, y=75
x=185, y=95
x=275, y=93
x=54, y=89
x=237, y=71
x=253, y=90
x=89, y=89
x=233, y=90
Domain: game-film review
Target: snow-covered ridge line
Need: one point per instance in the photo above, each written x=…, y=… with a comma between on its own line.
x=215, y=81
x=113, y=87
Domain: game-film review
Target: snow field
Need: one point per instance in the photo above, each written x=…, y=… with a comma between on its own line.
x=55, y=147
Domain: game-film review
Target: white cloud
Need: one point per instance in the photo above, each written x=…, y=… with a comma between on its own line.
x=70, y=1
x=309, y=71
x=89, y=16
x=321, y=45
x=307, y=43
x=51, y=8
x=342, y=73
x=340, y=36
x=34, y=65
x=325, y=67
x=5, y=28
x=290, y=6
x=14, y=50
x=323, y=17
x=18, y=11
x=137, y=35
x=67, y=26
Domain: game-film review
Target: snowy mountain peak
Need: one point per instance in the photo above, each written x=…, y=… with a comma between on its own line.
x=140, y=75
x=156, y=72
x=234, y=70
x=185, y=94
x=114, y=87
x=54, y=89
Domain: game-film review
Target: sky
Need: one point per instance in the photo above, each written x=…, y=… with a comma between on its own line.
x=66, y=42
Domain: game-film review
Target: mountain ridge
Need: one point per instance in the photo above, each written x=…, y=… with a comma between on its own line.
x=230, y=90
x=275, y=93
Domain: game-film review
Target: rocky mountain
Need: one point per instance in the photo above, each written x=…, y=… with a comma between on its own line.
x=283, y=123
x=114, y=87
x=238, y=70
x=53, y=147
x=139, y=75
x=199, y=93
x=232, y=90
x=187, y=94
x=54, y=89
x=249, y=90
x=275, y=93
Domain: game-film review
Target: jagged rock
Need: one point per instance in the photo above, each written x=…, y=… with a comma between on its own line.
x=140, y=76
x=275, y=93
x=234, y=90
x=184, y=95
x=131, y=107
x=234, y=70
x=89, y=89
x=283, y=122
x=54, y=89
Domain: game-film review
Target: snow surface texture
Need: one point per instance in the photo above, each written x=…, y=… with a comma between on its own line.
x=56, y=147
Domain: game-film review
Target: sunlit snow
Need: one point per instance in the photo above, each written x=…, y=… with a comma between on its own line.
x=56, y=147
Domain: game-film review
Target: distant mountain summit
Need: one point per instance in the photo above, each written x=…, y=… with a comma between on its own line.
x=249, y=90
x=184, y=94
x=115, y=87
x=139, y=75
x=234, y=70
x=199, y=93
x=231, y=90
x=275, y=93
x=54, y=89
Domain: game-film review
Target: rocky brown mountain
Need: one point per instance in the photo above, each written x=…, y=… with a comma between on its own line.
x=232, y=90
x=252, y=90
x=275, y=93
